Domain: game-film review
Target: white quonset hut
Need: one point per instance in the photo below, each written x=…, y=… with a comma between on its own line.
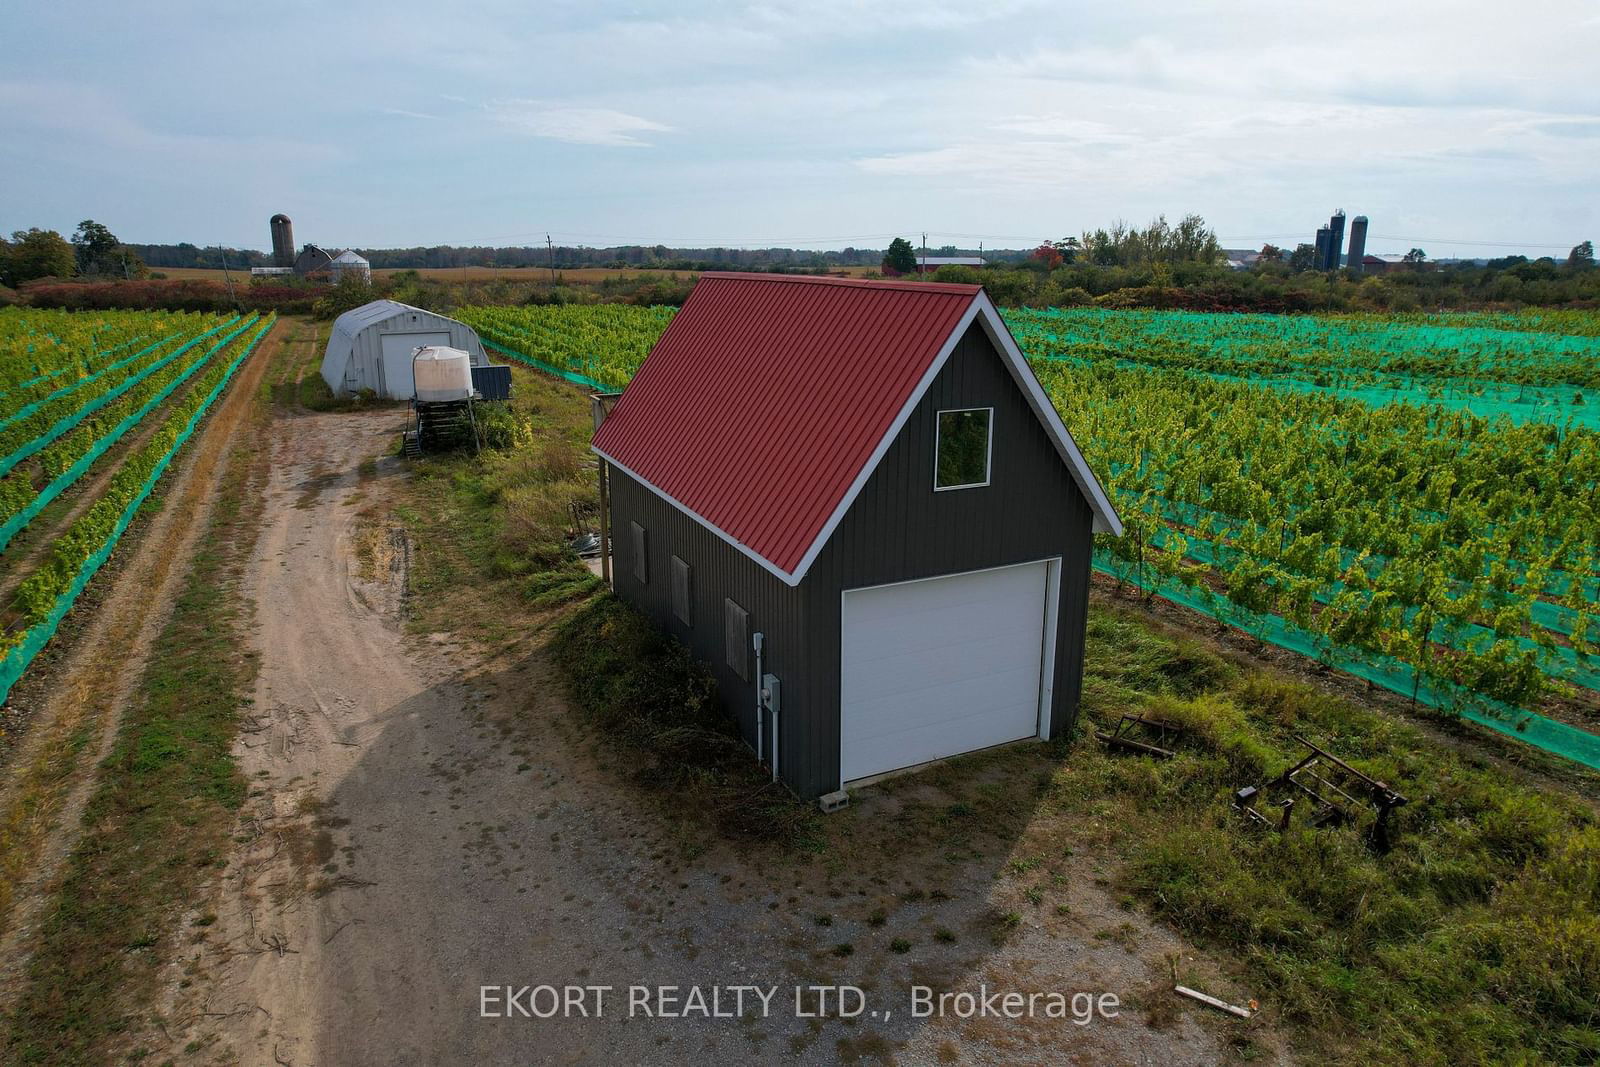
x=371, y=347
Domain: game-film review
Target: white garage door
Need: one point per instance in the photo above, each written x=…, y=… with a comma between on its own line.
x=398, y=348
x=940, y=667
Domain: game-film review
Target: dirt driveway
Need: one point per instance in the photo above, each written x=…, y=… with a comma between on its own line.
x=424, y=822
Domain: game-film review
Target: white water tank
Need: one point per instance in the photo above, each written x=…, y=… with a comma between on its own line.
x=442, y=374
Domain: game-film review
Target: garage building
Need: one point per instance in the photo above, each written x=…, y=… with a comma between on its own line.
x=870, y=477
x=370, y=347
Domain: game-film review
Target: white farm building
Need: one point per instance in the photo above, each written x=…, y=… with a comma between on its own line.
x=371, y=347
x=348, y=263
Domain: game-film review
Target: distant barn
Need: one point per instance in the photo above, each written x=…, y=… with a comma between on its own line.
x=312, y=261
x=927, y=264
x=371, y=347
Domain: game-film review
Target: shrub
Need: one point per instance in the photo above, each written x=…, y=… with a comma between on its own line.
x=170, y=296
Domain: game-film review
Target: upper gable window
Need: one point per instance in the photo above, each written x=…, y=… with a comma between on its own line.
x=961, y=453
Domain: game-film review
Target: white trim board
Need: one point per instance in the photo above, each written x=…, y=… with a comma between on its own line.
x=888, y=439
x=988, y=449
x=766, y=564
x=983, y=309
x=1106, y=519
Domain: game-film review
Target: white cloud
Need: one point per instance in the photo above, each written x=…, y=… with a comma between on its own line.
x=94, y=122
x=575, y=125
x=1459, y=117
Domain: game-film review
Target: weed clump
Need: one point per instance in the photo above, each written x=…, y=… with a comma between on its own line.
x=647, y=692
x=1476, y=938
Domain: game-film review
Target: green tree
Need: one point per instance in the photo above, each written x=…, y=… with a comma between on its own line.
x=95, y=247
x=1304, y=257
x=1416, y=257
x=99, y=252
x=1270, y=253
x=1047, y=255
x=901, y=258
x=36, y=253
x=1190, y=241
x=1582, y=256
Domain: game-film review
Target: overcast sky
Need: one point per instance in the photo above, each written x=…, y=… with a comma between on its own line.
x=1466, y=128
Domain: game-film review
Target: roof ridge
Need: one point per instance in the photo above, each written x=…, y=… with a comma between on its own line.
x=953, y=288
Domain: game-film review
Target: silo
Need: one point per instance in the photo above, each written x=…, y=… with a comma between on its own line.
x=282, y=241
x=1358, y=243
x=1335, y=240
x=1324, y=236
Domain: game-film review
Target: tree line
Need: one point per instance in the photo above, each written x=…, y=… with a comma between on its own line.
x=93, y=252
x=1161, y=264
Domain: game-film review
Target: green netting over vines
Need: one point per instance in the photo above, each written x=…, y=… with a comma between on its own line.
x=1418, y=493
x=21, y=654
x=539, y=364
x=95, y=403
x=16, y=523
x=1508, y=366
x=28, y=409
x=1537, y=730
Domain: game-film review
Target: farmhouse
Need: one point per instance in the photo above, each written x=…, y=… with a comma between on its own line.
x=370, y=347
x=854, y=500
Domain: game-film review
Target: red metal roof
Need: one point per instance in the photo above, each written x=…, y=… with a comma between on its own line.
x=768, y=394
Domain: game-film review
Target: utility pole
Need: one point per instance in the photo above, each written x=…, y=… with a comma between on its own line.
x=924, y=264
x=223, y=252
x=552, y=246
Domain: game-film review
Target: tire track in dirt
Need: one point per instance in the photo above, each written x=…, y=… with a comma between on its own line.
x=71, y=731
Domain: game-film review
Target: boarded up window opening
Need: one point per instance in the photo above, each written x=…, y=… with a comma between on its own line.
x=736, y=638
x=682, y=603
x=641, y=564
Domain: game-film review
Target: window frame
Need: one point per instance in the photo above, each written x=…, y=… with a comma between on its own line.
x=730, y=612
x=680, y=566
x=641, y=554
x=988, y=449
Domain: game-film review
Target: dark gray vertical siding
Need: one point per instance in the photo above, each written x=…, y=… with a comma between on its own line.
x=900, y=529
x=718, y=570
